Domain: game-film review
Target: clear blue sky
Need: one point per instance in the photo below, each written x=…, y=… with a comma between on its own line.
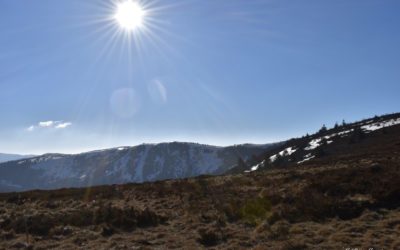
x=217, y=72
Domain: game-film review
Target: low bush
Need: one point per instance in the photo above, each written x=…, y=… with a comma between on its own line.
x=256, y=210
x=209, y=237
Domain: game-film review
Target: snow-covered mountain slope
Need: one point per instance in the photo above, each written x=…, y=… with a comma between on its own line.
x=325, y=143
x=12, y=157
x=147, y=162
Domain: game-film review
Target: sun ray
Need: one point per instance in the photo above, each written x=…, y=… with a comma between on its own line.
x=117, y=25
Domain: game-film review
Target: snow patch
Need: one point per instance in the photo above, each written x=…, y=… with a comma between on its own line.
x=315, y=143
x=380, y=125
x=306, y=158
x=344, y=132
x=285, y=152
x=255, y=167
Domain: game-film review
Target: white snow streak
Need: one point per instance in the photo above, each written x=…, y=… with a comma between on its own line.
x=380, y=125
x=285, y=152
x=306, y=158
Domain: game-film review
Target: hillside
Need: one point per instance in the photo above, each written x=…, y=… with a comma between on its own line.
x=348, y=198
x=325, y=144
x=147, y=162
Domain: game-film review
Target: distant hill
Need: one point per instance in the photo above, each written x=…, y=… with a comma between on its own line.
x=147, y=162
x=12, y=157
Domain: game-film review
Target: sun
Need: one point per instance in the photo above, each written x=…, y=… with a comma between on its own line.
x=129, y=15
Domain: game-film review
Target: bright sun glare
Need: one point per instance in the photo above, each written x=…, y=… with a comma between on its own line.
x=129, y=15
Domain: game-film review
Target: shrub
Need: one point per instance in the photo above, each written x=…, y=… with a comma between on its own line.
x=209, y=237
x=255, y=211
x=107, y=231
x=232, y=210
x=280, y=230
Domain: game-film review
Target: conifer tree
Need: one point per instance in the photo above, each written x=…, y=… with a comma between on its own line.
x=323, y=129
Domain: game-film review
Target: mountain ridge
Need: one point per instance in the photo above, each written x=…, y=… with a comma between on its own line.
x=141, y=163
x=4, y=157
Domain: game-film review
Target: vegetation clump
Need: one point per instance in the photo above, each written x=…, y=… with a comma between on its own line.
x=209, y=237
x=256, y=210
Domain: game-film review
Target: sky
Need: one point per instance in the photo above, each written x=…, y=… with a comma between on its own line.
x=218, y=72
